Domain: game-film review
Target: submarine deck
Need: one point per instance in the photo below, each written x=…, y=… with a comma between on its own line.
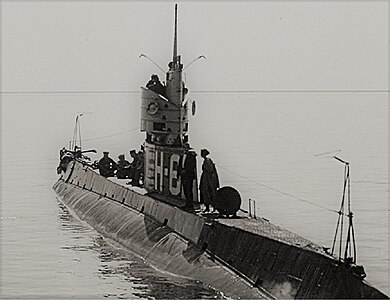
x=265, y=228
x=259, y=226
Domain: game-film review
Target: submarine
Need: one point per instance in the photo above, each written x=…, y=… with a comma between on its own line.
x=238, y=254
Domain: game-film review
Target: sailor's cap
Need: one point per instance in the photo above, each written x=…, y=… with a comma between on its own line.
x=205, y=151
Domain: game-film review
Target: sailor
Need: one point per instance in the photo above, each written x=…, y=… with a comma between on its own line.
x=123, y=167
x=155, y=85
x=134, y=174
x=187, y=174
x=141, y=164
x=106, y=165
x=152, y=81
x=77, y=152
x=209, y=181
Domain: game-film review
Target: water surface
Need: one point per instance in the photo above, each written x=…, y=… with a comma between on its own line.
x=264, y=145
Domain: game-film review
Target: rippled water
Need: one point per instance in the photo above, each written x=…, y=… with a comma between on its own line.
x=265, y=147
x=48, y=253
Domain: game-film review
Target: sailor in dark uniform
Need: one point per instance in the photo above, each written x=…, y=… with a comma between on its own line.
x=187, y=175
x=141, y=166
x=155, y=85
x=209, y=181
x=134, y=171
x=106, y=165
x=123, y=167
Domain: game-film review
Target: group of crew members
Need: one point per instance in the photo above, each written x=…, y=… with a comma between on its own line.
x=209, y=181
x=123, y=169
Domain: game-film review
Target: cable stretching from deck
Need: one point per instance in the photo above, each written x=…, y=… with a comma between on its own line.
x=279, y=191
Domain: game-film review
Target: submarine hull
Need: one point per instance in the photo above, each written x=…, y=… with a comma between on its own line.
x=225, y=254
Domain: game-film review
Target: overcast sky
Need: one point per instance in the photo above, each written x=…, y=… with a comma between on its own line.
x=252, y=45
x=95, y=46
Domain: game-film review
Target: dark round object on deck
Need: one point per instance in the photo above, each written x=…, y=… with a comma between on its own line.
x=228, y=201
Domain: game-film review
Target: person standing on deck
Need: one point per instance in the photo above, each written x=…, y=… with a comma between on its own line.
x=123, y=167
x=141, y=165
x=107, y=166
x=188, y=174
x=134, y=171
x=209, y=181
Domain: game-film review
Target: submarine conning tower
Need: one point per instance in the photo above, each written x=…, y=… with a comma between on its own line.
x=164, y=118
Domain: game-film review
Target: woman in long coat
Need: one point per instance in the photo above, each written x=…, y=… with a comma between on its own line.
x=209, y=181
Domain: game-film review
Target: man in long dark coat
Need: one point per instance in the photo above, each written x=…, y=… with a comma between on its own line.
x=209, y=181
x=187, y=175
